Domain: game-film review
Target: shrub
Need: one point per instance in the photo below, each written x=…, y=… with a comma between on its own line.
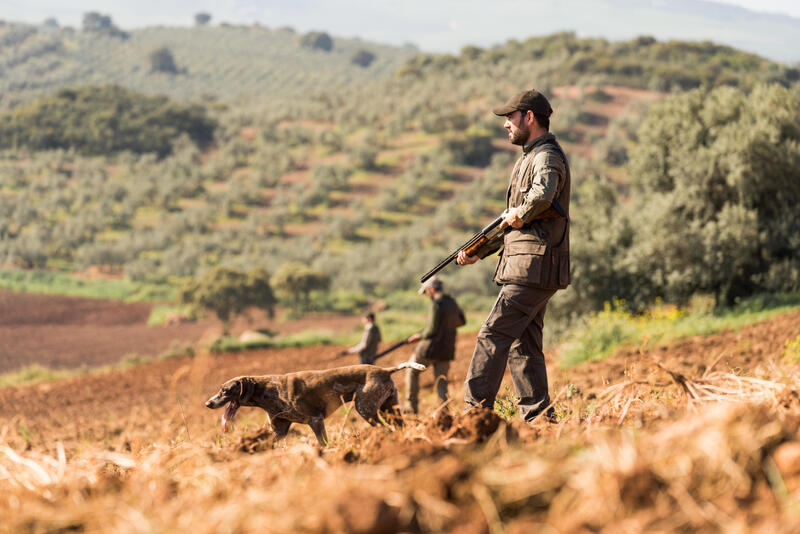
x=103, y=120
x=228, y=292
x=161, y=60
x=317, y=41
x=363, y=58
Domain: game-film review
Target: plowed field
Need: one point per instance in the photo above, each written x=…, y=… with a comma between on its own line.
x=135, y=450
x=68, y=332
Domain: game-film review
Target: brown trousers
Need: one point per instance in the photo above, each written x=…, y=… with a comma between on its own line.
x=512, y=334
x=440, y=369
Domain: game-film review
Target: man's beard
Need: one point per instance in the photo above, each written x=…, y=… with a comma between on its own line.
x=519, y=136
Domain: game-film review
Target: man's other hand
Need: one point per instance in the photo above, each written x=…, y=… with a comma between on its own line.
x=412, y=338
x=512, y=219
x=463, y=259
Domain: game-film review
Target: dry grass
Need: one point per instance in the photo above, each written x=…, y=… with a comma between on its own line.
x=666, y=453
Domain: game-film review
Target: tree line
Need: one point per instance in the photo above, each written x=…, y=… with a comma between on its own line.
x=105, y=120
x=158, y=216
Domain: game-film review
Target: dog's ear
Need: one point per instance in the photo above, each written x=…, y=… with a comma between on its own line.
x=246, y=388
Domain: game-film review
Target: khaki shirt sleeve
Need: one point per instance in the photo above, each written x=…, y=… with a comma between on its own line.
x=361, y=344
x=547, y=169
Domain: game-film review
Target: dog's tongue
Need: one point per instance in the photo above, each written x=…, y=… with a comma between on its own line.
x=230, y=411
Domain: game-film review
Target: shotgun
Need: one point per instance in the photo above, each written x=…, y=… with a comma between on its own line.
x=391, y=348
x=489, y=232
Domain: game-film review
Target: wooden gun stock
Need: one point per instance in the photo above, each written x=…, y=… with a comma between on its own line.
x=488, y=233
x=470, y=247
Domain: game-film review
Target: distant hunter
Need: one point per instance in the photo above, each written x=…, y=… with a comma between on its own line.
x=534, y=261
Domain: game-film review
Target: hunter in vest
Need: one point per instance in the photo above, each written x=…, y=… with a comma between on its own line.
x=534, y=261
x=437, y=347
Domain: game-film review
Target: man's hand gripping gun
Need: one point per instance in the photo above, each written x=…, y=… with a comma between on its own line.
x=471, y=247
x=490, y=232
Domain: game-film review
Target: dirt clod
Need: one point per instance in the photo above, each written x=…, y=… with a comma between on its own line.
x=361, y=512
x=475, y=425
x=264, y=440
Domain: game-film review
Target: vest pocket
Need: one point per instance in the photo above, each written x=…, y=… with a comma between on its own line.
x=523, y=262
x=555, y=269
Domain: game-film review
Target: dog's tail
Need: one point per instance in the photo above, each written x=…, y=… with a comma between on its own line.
x=413, y=365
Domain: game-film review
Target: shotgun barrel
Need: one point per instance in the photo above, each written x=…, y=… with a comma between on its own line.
x=469, y=247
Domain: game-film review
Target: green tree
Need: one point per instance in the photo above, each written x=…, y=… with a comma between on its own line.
x=716, y=194
x=364, y=155
x=94, y=22
x=228, y=292
x=295, y=282
x=317, y=41
x=161, y=60
x=363, y=58
x=102, y=120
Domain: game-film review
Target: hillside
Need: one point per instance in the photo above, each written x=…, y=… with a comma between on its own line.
x=220, y=62
x=301, y=188
x=373, y=182
x=676, y=395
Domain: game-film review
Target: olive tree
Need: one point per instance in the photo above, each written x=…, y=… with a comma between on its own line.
x=202, y=18
x=295, y=282
x=228, y=292
x=714, y=206
x=161, y=60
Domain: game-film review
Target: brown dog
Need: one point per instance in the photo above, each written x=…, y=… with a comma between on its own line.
x=310, y=396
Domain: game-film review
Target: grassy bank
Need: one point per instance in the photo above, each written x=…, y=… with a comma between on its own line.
x=58, y=283
x=395, y=325
x=615, y=327
x=36, y=373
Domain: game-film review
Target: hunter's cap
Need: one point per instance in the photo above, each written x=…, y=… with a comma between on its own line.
x=526, y=100
x=433, y=282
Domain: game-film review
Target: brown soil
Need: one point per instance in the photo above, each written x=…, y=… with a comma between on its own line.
x=70, y=332
x=141, y=440
x=161, y=394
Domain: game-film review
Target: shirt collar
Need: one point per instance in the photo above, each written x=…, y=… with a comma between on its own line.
x=538, y=141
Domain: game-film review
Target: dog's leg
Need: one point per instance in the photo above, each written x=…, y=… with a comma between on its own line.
x=317, y=424
x=370, y=398
x=389, y=410
x=280, y=426
x=365, y=403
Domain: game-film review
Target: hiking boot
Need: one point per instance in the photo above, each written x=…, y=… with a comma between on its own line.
x=408, y=409
x=549, y=415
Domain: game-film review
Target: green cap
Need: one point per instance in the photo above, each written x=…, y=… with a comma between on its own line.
x=433, y=282
x=526, y=100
